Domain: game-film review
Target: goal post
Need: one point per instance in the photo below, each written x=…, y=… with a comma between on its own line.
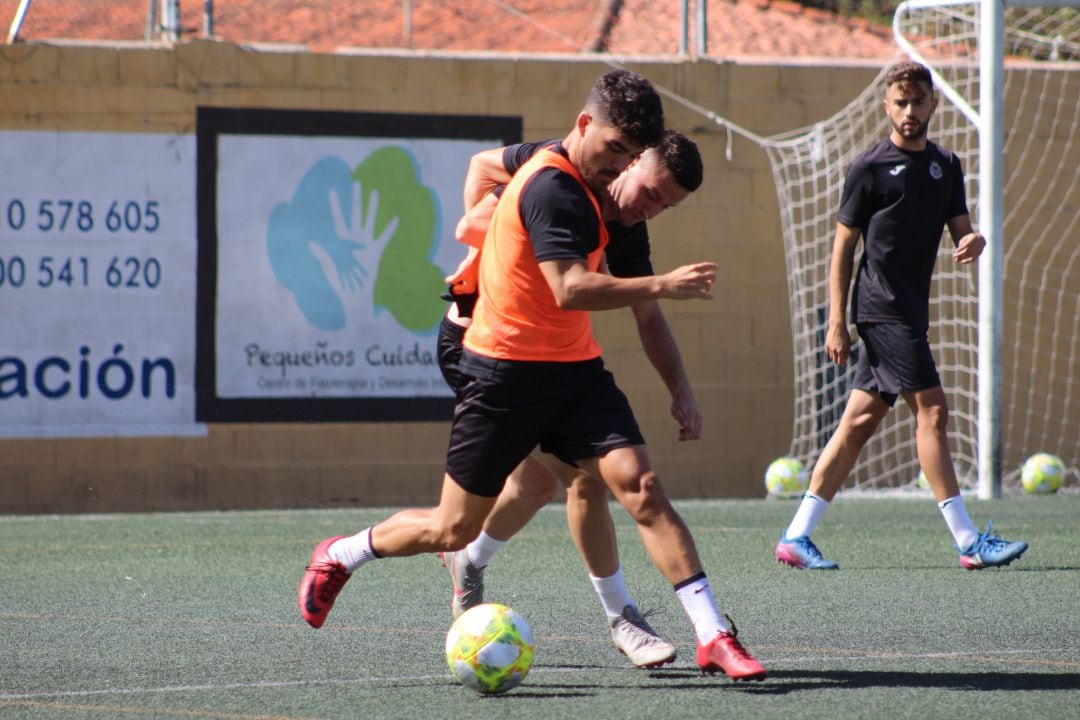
x=1004, y=337
x=989, y=120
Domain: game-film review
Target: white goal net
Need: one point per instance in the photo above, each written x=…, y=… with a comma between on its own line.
x=1040, y=398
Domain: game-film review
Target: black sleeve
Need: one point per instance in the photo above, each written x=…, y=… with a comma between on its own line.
x=628, y=251
x=958, y=201
x=559, y=216
x=855, y=206
x=514, y=156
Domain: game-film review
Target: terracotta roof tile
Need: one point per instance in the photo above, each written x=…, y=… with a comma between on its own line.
x=754, y=28
x=737, y=28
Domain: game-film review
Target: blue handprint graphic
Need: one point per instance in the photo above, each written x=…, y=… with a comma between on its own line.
x=316, y=217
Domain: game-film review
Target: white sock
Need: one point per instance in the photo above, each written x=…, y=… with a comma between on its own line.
x=483, y=548
x=806, y=517
x=613, y=593
x=697, y=600
x=353, y=552
x=956, y=517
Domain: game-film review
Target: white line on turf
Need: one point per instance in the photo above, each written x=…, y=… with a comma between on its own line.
x=398, y=680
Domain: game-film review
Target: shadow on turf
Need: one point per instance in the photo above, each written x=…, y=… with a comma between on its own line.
x=797, y=680
x=784, y=682
x=951, y=570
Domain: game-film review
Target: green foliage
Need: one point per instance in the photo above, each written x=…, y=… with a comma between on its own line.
x=876, y=11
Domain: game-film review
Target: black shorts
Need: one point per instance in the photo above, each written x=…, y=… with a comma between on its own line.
x=448, y=349
x=896, y=360
x=572, y=410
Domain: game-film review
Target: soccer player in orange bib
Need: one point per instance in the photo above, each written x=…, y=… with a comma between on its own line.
x=537, y=378
x=661, y=178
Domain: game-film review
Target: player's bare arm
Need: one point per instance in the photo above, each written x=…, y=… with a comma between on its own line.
x=473, y=225
x=838, y=339
x=486, y=172
x=969, y=244
x=576, y=288
x=663, y=352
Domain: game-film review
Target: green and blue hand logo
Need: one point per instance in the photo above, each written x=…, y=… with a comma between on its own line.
x=375, y=225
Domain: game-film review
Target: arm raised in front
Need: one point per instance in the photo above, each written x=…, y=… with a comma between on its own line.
x=575, y=287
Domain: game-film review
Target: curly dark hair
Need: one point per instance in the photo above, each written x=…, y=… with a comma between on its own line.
x=680, y=155
x=629, y=103
x=908, y=71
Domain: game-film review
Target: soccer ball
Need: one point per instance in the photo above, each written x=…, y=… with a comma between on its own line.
x=490, y=648
x=1042, y=473
x=786, y=477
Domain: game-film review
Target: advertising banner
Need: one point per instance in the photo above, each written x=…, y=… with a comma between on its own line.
x=324, y=241
x=97, y=284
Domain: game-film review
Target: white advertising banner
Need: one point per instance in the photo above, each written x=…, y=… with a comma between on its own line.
x=97, y=284
x=330, y=242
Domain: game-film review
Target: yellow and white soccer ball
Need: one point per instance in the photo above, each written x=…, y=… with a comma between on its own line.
x=786, y=477
x=490, y=648
x=1042, y=474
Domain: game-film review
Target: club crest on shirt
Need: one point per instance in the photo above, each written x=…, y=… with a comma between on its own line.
x=935, y=170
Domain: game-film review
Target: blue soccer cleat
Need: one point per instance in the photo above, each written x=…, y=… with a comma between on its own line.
x=802, y=553
x=988, y=550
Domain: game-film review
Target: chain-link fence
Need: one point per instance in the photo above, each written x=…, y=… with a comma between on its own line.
x=464, y=25
x=638, y=27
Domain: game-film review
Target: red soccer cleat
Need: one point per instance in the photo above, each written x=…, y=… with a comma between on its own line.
x=321, y=584
x=726, y=654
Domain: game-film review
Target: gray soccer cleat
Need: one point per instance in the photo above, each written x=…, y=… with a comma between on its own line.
x=468, y=580
x=635, y=638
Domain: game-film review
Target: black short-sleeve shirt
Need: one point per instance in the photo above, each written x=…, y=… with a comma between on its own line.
x=557, y=212
x=628, y=253
x=900, y=200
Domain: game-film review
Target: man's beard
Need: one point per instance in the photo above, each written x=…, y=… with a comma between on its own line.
x=920, y=131
x=597, y=180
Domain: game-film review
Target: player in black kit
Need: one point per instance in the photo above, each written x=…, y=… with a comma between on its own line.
x=897, y=196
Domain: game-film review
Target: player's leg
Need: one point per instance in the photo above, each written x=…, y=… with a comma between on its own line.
x=589, y=520
x=877, y=386
x=977, y=550
x=931, y=411
x=495, y=427
x=861, y=417
x=457, y=519
x=627, y=472
x=599, y=433
x=528, y=488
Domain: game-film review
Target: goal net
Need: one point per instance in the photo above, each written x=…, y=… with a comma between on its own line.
x=1040, y=398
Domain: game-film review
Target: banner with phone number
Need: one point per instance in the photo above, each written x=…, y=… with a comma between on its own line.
x=97, y=284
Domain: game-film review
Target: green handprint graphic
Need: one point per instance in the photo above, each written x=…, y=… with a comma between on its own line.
x=407, y=283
